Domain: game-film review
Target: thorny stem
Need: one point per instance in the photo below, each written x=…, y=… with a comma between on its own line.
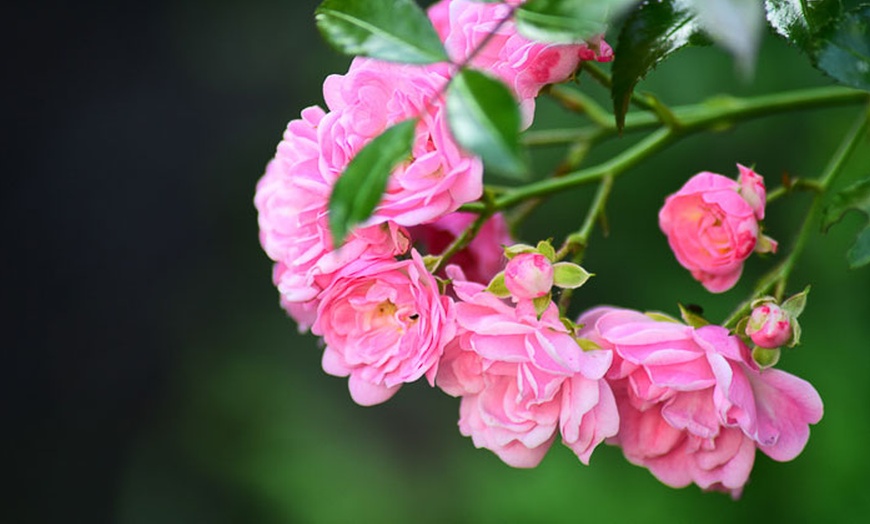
x=776, y=280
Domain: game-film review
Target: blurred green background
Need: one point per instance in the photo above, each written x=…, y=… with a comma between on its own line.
x=153, y=377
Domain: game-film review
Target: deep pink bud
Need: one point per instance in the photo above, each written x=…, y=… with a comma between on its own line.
x=769, y=326
x=529, y=276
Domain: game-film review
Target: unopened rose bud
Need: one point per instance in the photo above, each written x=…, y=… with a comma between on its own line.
x=529, y=276
x=769, y=326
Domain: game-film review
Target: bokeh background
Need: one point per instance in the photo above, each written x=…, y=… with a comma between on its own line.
x=151, y=377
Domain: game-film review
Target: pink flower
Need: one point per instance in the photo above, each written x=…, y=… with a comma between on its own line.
x=374, y=95
x=483, y=258
x=524, y=65
x=712, y=228
x=384, y=323
x=522, y=379
x=769, y=326
x=529, y=276
x=292, y=199
x=693, y=405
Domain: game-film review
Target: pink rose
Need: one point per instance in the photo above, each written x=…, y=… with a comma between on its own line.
x=529, y=276
x=292, y=200
x=483, y=258
x=769, y=326
x=693, y=405
x=522, y=379
x=373, y=95
x=712, y=228
x=524, y=65
x=384, y=323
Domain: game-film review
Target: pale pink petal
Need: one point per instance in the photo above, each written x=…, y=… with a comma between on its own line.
x=786, y=407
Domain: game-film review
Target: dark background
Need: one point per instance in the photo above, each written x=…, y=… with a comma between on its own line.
x=152, y=377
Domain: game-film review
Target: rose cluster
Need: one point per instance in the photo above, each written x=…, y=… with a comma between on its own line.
x=381, y=314
x=691, y=404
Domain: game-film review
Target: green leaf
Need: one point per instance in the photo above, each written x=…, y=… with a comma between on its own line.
x=844, y=49
x=800, y=21
x=651, y=33
x=855, y=197
x=567, y=21
x=736, y=25
x=485, y=119
x=395, y=30
x=360, y=187
x=568, y=275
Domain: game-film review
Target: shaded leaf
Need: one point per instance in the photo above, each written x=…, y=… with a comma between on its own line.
x=800, y=21
x=736, y=25
x=395, y=30
x=485, y=119
x=361, y=186
x=650, y=34
x=567, y=21
x=855, y=197
x=844, y=49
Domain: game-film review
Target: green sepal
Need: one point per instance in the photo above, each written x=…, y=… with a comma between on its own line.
x=740, y=328
x=443, y=284
x=497, y=286
x=542, y=303
x=691, y=318
x=661, y=317
x=586, y=344
x=795, y=304
x=765, y=358
x=760, y=301
x=546, y=248
x=518, y=249
x=570, y=325
x=795, y=333
x=431, y=262
x=569, y=276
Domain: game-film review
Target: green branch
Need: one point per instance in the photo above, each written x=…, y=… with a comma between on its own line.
x=688, y=120
x=776, y=280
